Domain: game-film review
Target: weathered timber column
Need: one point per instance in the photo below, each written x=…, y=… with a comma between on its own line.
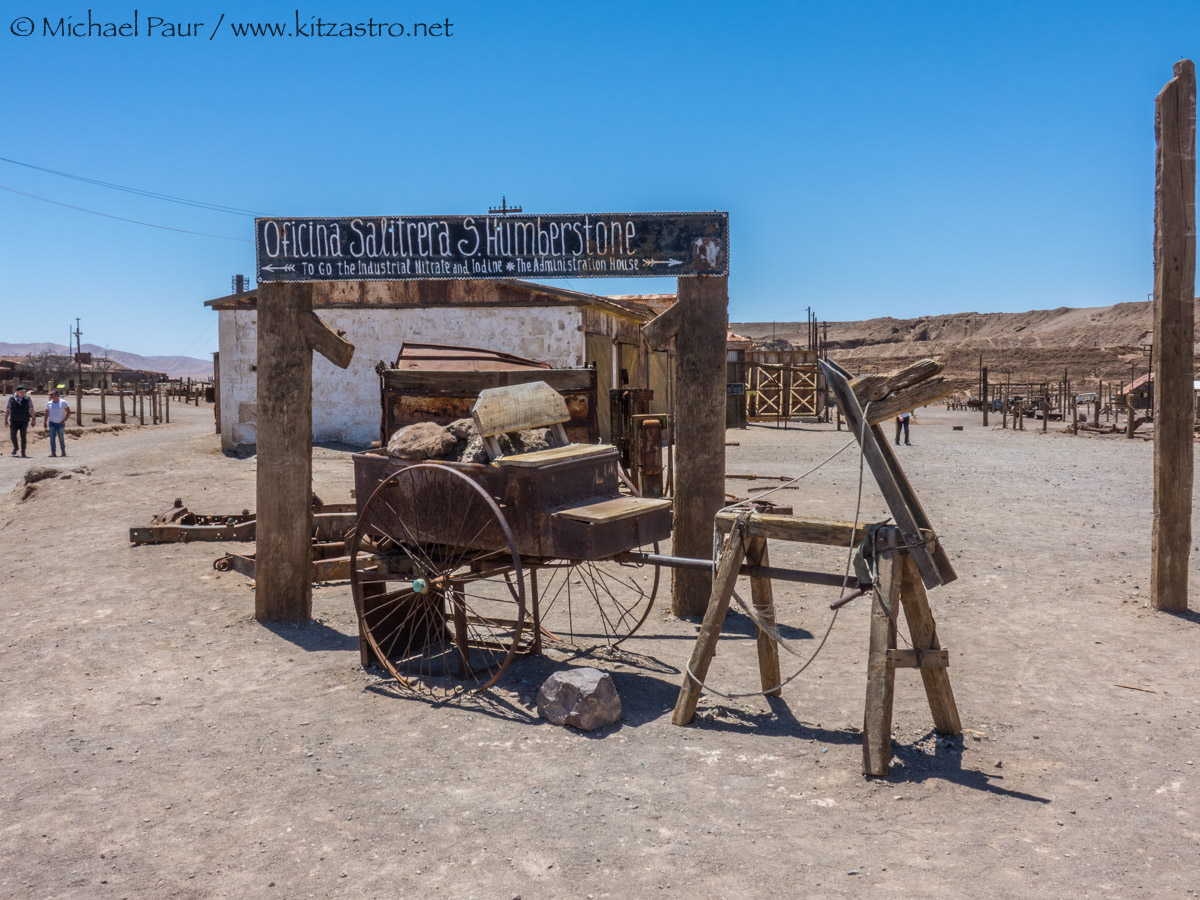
x=1174, y=292
x=700, y=433
x=288, y=332
x=283, y=558
x=698, y=321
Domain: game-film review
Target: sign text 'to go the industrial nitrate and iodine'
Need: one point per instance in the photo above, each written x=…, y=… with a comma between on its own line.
x=398, y=248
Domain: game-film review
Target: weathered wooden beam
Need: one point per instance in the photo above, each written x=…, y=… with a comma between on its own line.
x=877, y=711
x=1174, y=290
x=762, y=597
x=791, y=528
x=918, y=659
x=714, y=618
x=876, y=387
x=699, y=431
x=283, y=590
x=922, y=633
x=897, y=493
x=326, y=341
x=909, y=399
x=665, y=325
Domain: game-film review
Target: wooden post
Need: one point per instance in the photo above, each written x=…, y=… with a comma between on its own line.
x=922, y=632
x=217, y=393
x=714, y=617
x=877, y=713
x=103, y=392
x=1174, y=290
x=167, y=406
x=699, y=322
x=141, y=402
x=1046, y=409
x=283, y=591
x=121, y=399
x=764, y=606
x=288, y=332
x=985, y=396
x=1129, y=414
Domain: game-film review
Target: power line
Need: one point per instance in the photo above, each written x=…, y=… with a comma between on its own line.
x=202, y=204
x=222, y=237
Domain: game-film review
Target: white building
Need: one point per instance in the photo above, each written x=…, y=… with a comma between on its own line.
x=551, y=325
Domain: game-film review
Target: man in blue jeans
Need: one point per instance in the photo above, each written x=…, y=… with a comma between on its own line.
x=57, y=415
x=902, y=424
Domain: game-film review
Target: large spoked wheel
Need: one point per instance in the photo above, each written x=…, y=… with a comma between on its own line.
x=440, y=593
x=601, y=602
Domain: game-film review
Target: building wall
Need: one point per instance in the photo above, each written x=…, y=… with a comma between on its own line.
x=346, y=401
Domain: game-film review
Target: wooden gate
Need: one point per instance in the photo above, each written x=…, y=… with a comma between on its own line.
x=782, y=392
x=802, y=391
x=770, y=396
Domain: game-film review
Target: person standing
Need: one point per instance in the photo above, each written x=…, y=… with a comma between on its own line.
x=17, y=416
x=58, y=413
x=902, y=424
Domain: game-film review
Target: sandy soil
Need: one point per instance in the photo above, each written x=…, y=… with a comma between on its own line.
x=159, y=742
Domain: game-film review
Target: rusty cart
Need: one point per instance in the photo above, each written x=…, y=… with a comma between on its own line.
x=456, y=566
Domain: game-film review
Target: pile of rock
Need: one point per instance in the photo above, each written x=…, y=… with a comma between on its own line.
x=460, y=441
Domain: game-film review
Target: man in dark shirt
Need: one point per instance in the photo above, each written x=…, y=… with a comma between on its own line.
x=17, y=416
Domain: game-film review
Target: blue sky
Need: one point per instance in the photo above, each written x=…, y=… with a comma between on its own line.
x=875, y=159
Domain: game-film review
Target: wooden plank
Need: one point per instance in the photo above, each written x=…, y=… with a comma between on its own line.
x=876, y=387
x=714, y=618
x=519, y=406
x=555, y=454
x=881, y=677
x=798, y=530
x=909, y=399
x=283, y=591
x=923, y=634
x=326, y=341
x=764, y=606
x=699, y=470
x=613, y=510
x=1174, y=288
x=918, y=659
x=930, y=544
x=884, y=467
x=665, y=326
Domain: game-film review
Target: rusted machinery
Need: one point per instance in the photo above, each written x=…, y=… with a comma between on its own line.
x=331, y=521
x=466, y=560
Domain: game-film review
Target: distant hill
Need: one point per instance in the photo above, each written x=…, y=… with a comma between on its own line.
x=1091, y=344
x=174, y=366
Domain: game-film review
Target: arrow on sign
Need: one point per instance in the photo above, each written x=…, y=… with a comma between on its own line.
x=290, y=267
x=663, y=262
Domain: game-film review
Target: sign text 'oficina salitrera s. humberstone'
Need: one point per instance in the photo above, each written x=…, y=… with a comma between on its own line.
x=400, y=248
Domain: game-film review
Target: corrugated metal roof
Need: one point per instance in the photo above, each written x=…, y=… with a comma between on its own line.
x=447, y=357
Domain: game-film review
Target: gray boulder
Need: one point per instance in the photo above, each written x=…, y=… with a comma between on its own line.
x=463, y=429
x=583, y=698
x=424, y=440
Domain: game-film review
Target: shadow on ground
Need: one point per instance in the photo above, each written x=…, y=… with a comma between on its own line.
x=312, y=636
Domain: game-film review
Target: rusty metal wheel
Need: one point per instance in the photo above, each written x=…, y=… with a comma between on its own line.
x=604, y=601
x=440, y=594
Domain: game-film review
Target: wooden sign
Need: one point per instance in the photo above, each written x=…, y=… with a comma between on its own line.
x=405, y=248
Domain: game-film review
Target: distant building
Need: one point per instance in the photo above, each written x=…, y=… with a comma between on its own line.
x=548, y=324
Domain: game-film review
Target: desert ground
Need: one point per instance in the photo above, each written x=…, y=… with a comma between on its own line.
x=160, y=742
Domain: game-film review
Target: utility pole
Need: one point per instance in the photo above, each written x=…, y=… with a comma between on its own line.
x=78, y=375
